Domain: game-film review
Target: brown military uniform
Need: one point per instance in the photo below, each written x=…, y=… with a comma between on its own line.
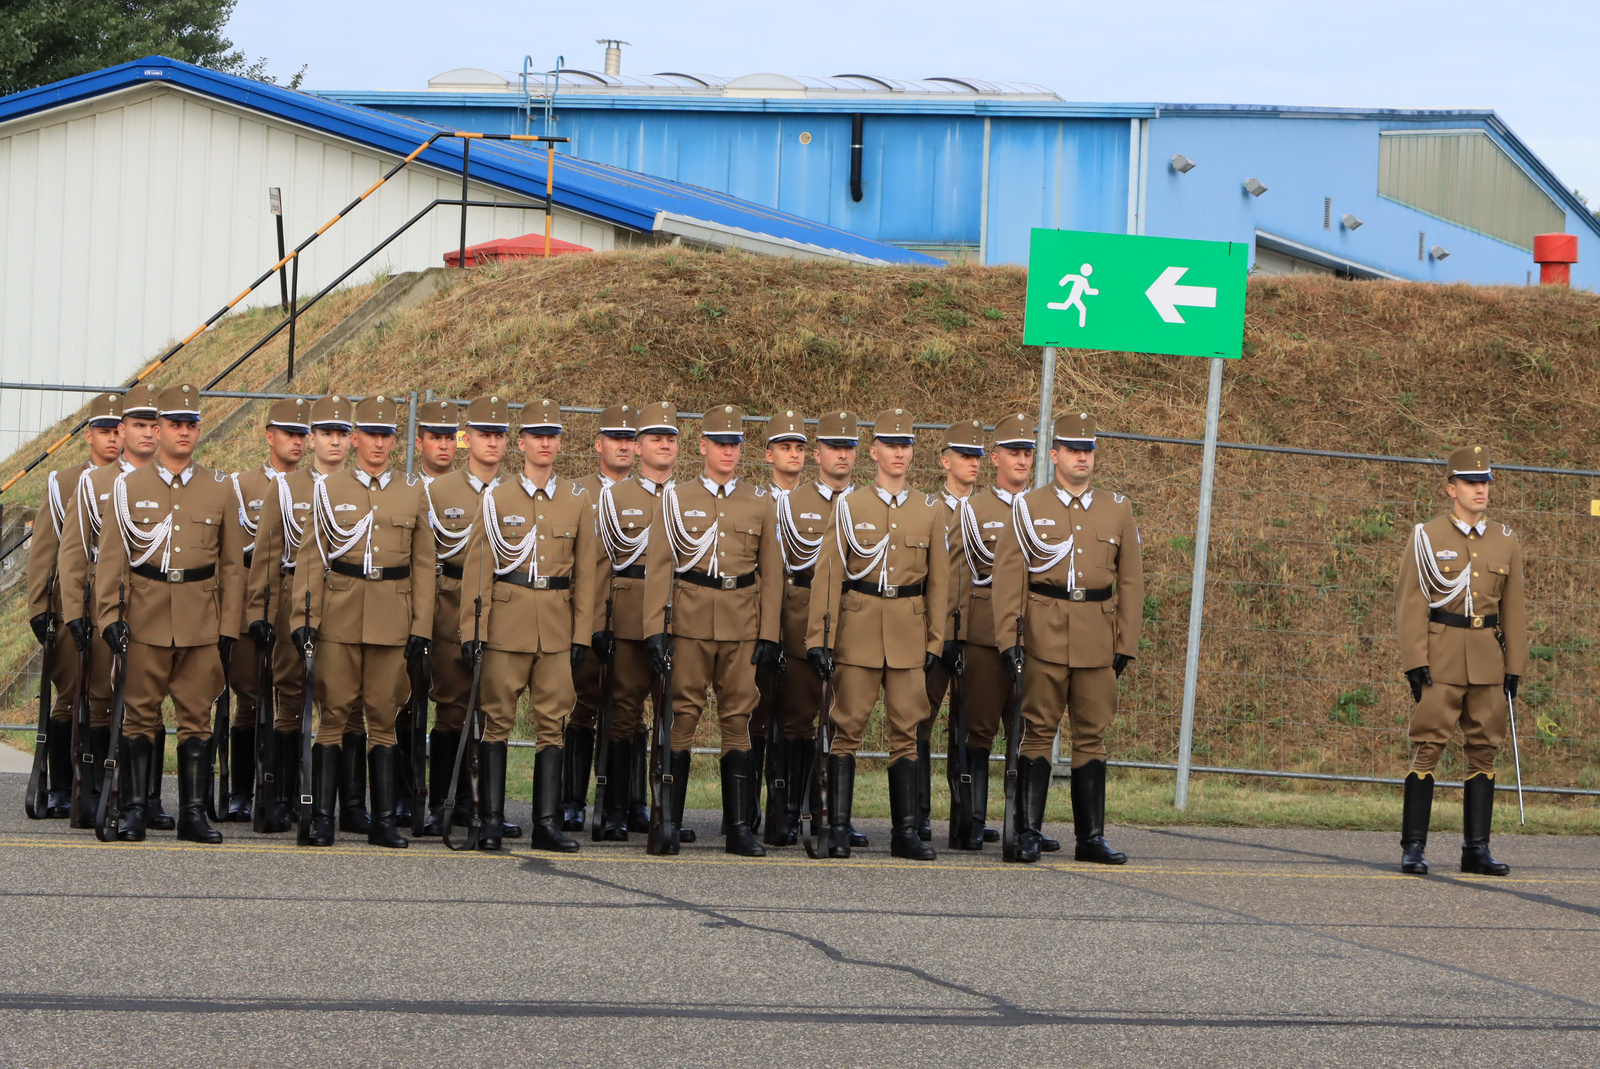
x=284, y=524
x=809, y=508
x=49, y=590
x=252, y=490
x=75, y=560
x=455, y=501
x=987, y=684
x=633, y=505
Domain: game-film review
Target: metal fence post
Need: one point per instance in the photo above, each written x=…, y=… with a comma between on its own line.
x=466, y=154
x=1047, y=413
x=411, y=434
x=1197, y=591
x=294, y=314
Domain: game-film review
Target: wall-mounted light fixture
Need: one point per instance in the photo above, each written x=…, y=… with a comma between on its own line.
x=1181, y=163
x=1254, y=187
x=1440, y=252
x=1350, y=221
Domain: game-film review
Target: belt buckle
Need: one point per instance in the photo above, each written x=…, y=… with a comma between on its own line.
x=438, y=569
x=1477, y=622
x=730, y=582
x=174, y=575
x=891, y=591
x=541, y=582
x=1075, y=594
x=375, y=572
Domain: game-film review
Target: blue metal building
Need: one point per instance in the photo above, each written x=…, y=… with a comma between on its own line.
x=961, y=168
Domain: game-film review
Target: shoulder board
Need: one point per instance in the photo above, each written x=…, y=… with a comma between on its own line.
x=219, y=476
x=577, y=490
x=1509, y=532
x=933, y=499
x=761, y=491
x=1118, y=498
x=412, y=478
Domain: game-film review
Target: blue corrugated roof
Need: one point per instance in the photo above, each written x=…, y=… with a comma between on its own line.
x=611, y=193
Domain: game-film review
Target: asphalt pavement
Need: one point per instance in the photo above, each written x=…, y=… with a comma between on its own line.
x=1212, y=947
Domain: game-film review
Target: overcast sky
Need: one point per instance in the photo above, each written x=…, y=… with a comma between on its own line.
x=1534, y=65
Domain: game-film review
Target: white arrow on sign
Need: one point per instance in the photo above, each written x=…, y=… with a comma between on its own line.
x=1167, y=295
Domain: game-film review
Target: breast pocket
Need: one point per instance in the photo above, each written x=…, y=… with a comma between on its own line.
x=1108, y=547
x=207, y=533
x=556, y=545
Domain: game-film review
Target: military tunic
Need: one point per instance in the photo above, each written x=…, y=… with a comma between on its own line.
x=810, y=508
x=987, y=685
x=632, y=508
x=586, y=680
x=455, y=501
x=284, y=520
x=58, y=547
x=251, y=491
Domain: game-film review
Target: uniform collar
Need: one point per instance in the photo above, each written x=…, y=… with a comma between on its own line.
x=1477, y=528
x=532, y=487
x=828, y=492
x=480, y=486
x=126, y=467
x=952, y=502
x=652, y=487
x=606, y=481
x=725, y=490
x=1004, y=495
x=894, y=501
x=367, y=480
x=1085, y=499
x=167, y=474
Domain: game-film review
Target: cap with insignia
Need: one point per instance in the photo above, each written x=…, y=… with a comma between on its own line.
x=1014, y=432
x=659, y=418
x=620, y=421
x=491, y=413
x=377, y=415
x=724, y=424
x=1470, y=463
x=893, y=427
x=787, y=426
x=838, y=429
x=541, y=417
x=1075, y=430
x=331, y=413
x=105, y=410
x=292, y=414
x=141, y=401
x=180, y=404
x=965, y=436
x=438, y=417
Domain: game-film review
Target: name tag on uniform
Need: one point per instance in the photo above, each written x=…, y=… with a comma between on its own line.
x=145, y=505
x=104, y=496
x=344, y=508
x=515, y=521
x=811, y=515
x=635, y=512
x=454, y=514
x=1446, y=554
x=1044, y=521
x=256, y=504
x=993, y=523
x=865, y=527
x=694, y=512
x=302, y=504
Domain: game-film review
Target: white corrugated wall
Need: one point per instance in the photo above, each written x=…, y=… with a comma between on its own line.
x=129, y=219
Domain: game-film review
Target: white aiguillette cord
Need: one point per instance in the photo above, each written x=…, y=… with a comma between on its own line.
x=89, y=519
x=799, y=552
x=140, y=545
x=980, y=558
x=340, y=539
x=58, y=508
x=876, y=557
x=683, y=543
x=1034, y=548
x=1433, y=581
x=519, y=552
x=448, y=542
x=293, y=529
x=244, y=513
x=622, y=548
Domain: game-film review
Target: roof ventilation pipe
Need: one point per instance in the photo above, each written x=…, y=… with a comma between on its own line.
x=613, y=54
x=856, y=122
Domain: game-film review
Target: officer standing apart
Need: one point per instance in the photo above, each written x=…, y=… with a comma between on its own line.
x=615, y=444
x=1074, y=575
x=1462, y=620
x=288, y=424
x=169, y=590
x=51, y=597
x=727, y=597
x=531, y=561
x=371, y=592
x=885, y=573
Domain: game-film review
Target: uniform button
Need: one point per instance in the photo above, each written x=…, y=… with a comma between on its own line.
x=722, y=514
x=175, y=507
x=1078, y=528
x=1474, y=575
x=176, y=528
x=541, y=558
x=892, y=526
x=891, y=547
x=891, y=569
x=1474, y=556
x=541, y=538
x=177, y=549
x=1080, y=575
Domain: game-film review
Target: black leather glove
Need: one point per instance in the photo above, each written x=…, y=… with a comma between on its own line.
x=952, y=658
x=577, y=655
x=604, y=643
x=117, y=635
x=416, y=649
x=1512, y=682
x=81, y=633
x=767, y=657
x=261, y=631
x=1419, y=678
x=1013, y=659
x=471, y=650
x=225, y=647
x=303, y=637
x=42, y=625
x=1119, y=662
x=930, y=661
x=660, y=653
x=821, y=661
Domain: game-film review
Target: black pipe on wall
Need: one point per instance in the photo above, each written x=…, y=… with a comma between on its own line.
x=856, y=122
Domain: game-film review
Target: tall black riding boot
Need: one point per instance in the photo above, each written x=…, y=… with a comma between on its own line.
x=99, y=747
x=904, y=785
x=737, y=773
x=1089, y=816
x=577, y=751
x=841, y=797
x=325, y=762
x=353, y=816
x=1477, y=815
x=778, y=830
x=758, y=773
x=285, y=798
x=155, y=814
x=383, y=828
x=241, y=774
x=1414, y=816
x=491, y=792
x=619, y=767
x=638, y=788
x=797, y=765
x=925, y=790
x=547, y=832
x=978, y=768
x=681, y=760
x=58, y=747
x=134, y=786
x=192, y=824
x=441, y=759
x=404, y=790
x=1033, y=789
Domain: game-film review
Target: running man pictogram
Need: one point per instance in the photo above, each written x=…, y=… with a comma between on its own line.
x=1080, y=290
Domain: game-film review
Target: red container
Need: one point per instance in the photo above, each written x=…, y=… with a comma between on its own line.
x=528, y=246
x=1555, y=254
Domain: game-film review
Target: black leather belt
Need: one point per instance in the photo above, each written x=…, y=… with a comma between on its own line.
x=867, y=586
x=1454, y=619
x=400, y=571
x=719, y=582
x=536, y=582
x=175, y=575
x=285, y=569
x=1077, y=593
x=450, y=571
x=802, y=579
x=249, y=559
x=632, y=571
